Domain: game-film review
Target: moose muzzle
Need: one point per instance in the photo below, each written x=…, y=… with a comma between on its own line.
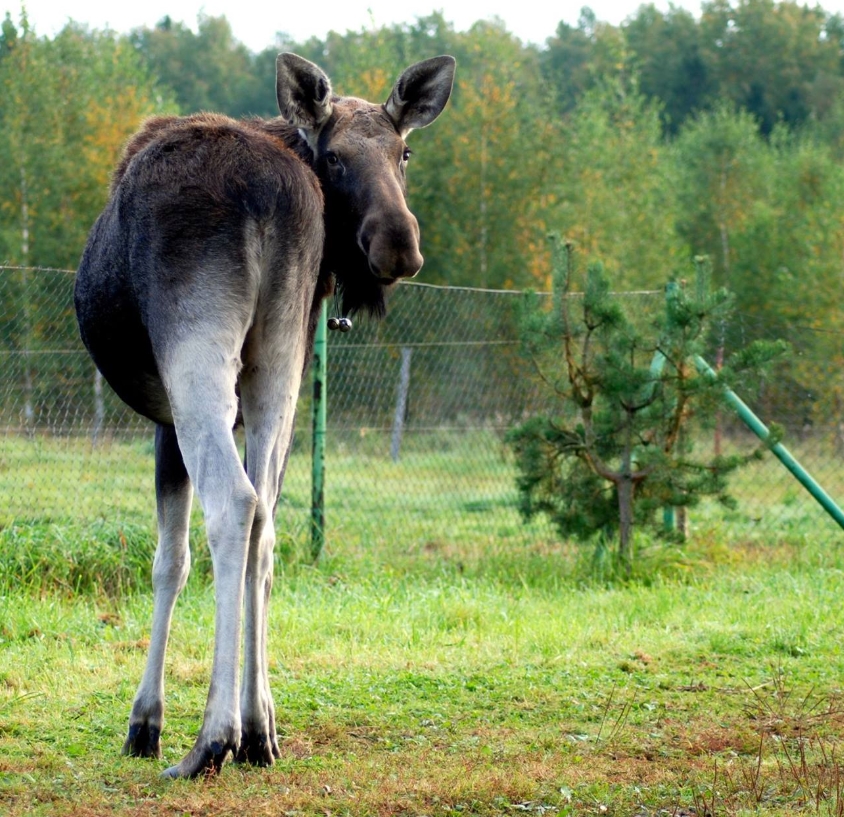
x=391, y=244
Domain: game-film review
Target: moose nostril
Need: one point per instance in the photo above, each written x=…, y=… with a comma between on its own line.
x=365, y=239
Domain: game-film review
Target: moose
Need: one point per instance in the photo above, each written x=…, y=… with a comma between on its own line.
x=197, y=297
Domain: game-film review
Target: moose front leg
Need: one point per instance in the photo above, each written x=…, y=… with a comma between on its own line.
x=169, y=574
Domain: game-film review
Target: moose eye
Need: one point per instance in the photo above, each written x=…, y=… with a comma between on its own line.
x=406, y=155
x=332, y=158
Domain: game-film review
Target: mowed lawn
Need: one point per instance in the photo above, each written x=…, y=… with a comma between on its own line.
x=480, y=671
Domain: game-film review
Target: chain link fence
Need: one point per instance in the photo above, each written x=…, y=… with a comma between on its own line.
x=418, y=409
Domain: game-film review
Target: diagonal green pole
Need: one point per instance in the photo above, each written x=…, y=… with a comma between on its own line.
x=779, y=450
x=320, y=374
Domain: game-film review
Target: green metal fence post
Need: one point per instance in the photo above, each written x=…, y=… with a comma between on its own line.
x=320, y=369
x=779, y=450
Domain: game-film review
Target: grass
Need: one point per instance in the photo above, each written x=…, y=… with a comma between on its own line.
x=437, y=661
x=446, y=488
x=399, y=694
x=404, y=696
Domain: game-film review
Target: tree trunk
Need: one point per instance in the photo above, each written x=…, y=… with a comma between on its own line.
x=28, y=383
x=722, y=226
x=625, y=487
x=482, y=240
x=719, y=362
x=683, y=522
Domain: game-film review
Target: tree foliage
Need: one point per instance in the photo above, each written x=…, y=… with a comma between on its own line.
x=69, y=105
x=208, y=70
x=770, y=210
x=779, y=61
x=647, y=143
x=614, y=188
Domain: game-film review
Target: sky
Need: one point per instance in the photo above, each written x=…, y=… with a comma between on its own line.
x=255, y=22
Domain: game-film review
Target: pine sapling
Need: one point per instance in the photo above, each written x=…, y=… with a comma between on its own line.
x=616, y=444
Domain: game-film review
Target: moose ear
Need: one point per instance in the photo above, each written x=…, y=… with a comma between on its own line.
x=420, y=94
x=303, y=92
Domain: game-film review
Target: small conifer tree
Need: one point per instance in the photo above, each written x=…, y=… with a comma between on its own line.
x=614, y=447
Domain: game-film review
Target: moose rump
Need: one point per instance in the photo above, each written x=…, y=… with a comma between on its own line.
x=210, y=223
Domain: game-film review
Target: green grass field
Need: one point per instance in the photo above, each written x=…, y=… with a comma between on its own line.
x=440, y=659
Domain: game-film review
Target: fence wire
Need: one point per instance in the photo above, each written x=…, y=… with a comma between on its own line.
x=418, y=410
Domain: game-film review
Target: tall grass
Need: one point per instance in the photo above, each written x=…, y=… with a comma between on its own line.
x=76, y=518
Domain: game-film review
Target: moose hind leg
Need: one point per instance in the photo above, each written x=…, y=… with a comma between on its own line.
x=268, y=399
x=204, y=408
x=169, y=574
x=259, y=744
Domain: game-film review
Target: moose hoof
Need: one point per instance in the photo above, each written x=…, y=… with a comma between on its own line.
x=206, y=760
x=257, y=749
x=143, y=741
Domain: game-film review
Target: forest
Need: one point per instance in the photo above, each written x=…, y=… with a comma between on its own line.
x=646, y=144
